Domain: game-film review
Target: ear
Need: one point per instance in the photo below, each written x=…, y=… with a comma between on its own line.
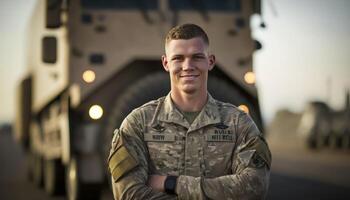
x=165, y=63
x=211, y=61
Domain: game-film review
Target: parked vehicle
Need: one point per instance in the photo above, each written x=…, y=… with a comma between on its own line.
x=321, y=126
x=91, y=62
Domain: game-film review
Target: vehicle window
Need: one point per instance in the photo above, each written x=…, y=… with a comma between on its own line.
x=49, y=49
x=208, y=5
x=121, y=5
x=53, y=13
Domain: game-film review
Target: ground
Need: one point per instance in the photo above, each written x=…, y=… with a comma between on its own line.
x=297, y=172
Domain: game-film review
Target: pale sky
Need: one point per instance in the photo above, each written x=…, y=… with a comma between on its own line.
x=14, y=15
x=305, y=56
x=305, y=46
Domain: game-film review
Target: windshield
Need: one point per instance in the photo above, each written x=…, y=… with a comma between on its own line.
x=208, y=5
x=120, y=4
x=176, y=5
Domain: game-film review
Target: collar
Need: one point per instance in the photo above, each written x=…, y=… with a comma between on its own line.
x=167, y=112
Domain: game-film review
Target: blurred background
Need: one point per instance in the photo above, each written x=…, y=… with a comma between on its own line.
x=301, y=75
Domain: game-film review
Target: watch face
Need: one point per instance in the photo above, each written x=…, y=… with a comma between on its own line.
x=170, y=184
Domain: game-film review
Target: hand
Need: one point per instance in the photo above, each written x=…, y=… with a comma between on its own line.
x=156, y=182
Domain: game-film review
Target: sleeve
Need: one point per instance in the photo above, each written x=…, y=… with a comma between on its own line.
x=128, y=164
x=250, y=170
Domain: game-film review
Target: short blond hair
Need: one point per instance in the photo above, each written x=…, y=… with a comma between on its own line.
x=185, y=32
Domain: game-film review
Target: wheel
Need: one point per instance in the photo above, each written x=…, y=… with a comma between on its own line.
x=335, y=141
x=37, y=169
x=345, y=141
x=156, y=85
x=311, y=143
x=35, y=161
x=54, y=177
x=30, y=166
x=146, y=89
x=224, y=91
x=76, y=188
x=315, y=125
x=321, y=141
x=316, y=141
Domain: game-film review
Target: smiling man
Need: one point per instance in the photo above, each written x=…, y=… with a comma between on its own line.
x=188, y=145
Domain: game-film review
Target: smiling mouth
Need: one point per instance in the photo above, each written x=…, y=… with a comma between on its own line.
x=189, y=76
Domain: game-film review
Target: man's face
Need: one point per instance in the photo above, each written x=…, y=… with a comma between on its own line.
x=188, y=63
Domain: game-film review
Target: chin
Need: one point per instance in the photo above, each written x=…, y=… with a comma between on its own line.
x=189, y=90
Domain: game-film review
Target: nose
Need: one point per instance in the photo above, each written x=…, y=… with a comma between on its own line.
x=188, y=65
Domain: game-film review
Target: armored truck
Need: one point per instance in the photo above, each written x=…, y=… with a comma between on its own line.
x=90, y=62
x=321, y=126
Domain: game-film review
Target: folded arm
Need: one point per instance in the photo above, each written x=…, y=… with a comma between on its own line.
x=250, y=170
x=128, y=164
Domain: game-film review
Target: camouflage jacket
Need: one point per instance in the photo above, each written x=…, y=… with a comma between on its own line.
x=221, y=155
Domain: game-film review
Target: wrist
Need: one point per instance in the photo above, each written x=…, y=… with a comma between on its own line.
x=170, y=184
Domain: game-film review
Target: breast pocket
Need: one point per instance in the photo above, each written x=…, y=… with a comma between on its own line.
x=165, y=150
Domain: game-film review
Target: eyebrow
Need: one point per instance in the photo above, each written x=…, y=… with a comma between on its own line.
x=182, y=55
x=176, y=55
x=199, y=54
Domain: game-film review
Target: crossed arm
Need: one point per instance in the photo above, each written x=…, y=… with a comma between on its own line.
x=249, y=178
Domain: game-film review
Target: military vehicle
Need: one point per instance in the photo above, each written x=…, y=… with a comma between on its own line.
x=321, y=126
x=90, y=62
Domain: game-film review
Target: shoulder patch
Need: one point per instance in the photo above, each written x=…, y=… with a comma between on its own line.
x=121, y=162
x=257, y=161
x=262, y=152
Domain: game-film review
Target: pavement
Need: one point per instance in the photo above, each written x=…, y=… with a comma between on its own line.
x=300, y=173
x=297, y=173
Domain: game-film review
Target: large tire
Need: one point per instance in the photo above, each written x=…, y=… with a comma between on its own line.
x=30, y=165
x=345, y=141
x=311, y=143
x=335, y=141
x=156, y=85
x=37, y=169
x=224, y=91
x=317, y=141
x=148, y=88
x=315, y=127
x=76, y=189
x=54, y=177
x=35, y=160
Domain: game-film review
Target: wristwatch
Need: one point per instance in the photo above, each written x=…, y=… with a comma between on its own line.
x=170, y=184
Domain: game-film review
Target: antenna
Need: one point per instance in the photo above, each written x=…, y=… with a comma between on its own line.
x=272, y=7
x=347, y=99
x=328, y=90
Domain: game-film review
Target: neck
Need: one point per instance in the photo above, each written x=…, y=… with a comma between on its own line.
x=189, y=102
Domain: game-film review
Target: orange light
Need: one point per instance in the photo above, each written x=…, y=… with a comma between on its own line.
x=89, y=76
x=95, y=112
x=244, y=108
x=249, y=77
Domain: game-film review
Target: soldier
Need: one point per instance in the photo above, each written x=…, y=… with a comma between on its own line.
x=188, y=145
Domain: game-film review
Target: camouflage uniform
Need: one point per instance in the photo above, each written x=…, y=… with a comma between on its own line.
x=221, y=155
